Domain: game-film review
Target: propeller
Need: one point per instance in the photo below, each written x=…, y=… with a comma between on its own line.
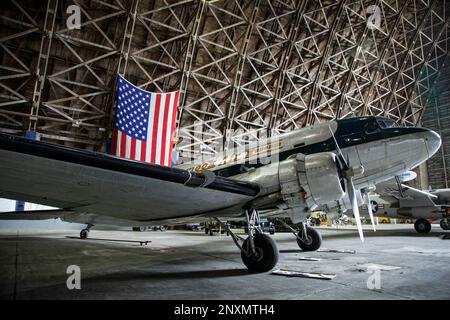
x=369, y=209
x=349, y=172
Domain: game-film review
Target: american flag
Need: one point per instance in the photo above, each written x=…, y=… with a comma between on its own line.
x=144, y=124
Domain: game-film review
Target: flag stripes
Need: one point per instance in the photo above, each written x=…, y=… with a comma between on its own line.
x=145, y=124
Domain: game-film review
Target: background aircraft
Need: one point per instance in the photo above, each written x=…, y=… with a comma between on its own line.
x=400, y=201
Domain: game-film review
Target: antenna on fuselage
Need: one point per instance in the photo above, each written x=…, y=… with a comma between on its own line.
x=350, y=115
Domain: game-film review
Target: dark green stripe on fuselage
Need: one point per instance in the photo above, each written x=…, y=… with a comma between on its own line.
x=350, y=132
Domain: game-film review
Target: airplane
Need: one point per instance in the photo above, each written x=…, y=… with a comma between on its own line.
x=328, y=166
x=399, y=201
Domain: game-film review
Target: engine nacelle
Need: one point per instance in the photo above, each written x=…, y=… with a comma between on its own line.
x=309, y=182
x=325, y=181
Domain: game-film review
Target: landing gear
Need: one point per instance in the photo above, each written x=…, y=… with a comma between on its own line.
x=422, y=226
x=445, y=224
x=140, y=229
x=264, y=256
x=308, y=239
x=272, y=231
x=311, y=241
x=258, y=252
x=85, y=232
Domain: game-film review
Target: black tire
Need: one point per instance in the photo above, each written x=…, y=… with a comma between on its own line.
x=315, y=240
x=84, y=234
x=272, y=231
x=444, y=224
x=162, y=228
x=422, y=226
x=267, y=254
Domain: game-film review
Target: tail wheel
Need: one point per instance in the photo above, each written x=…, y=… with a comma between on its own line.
x=312, y=242
x=265, y=256
x=422, y=226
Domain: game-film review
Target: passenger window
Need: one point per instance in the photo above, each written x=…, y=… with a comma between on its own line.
x=223, y=173
x=371, y=127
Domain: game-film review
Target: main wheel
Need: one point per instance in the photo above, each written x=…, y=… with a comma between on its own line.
x=84, y=234
x=313, y=241
x=265, y=256
x=422, y=226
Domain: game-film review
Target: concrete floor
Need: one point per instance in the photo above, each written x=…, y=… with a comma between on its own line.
x=192, y=265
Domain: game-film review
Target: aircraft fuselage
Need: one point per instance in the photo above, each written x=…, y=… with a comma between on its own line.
x=377, y=144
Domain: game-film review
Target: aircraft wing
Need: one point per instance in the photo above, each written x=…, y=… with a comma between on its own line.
x=33, y=214
x=413, y=196
x=99, y=184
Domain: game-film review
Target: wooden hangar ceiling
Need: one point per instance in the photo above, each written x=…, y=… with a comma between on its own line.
x=244, y=68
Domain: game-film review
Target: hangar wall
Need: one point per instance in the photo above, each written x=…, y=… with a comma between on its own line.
x=250, y=66
x=437, y=117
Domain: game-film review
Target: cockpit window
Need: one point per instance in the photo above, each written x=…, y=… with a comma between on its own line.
x=371, y=127
x=387, y=124
x=390, y=124
x=381, y=123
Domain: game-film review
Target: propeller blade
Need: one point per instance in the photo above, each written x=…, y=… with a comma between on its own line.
x=339, y=152
x=369, y=209
x=354, y=202
x=350, y=187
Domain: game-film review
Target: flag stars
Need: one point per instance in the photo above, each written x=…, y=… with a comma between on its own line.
x=133, y=108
